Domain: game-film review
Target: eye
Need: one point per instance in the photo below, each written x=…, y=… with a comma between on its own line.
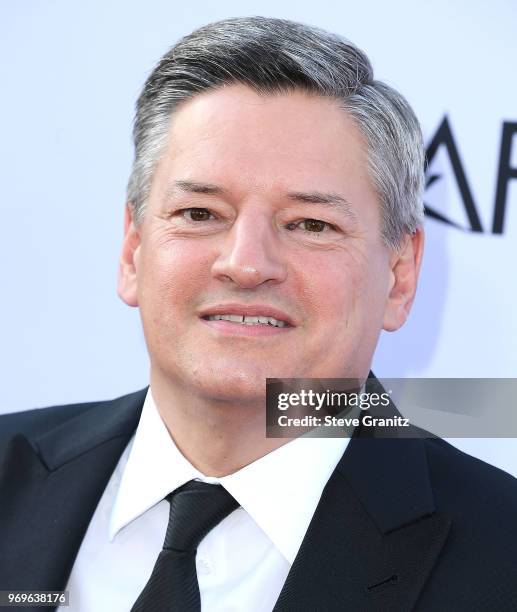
x=196, y=214
x=314, y=226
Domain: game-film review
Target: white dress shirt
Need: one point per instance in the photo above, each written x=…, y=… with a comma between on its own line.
x=241, y=564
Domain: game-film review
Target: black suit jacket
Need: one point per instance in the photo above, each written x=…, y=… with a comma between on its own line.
x=402, y=524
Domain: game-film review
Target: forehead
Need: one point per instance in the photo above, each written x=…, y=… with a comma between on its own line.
x=295, y=140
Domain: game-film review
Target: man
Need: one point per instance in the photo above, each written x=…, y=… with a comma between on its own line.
x=273, y=228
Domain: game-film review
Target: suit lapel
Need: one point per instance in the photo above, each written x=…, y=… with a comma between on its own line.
x=50, y=488
x=375, y=535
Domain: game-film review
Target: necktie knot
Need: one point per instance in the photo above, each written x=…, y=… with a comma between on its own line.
x=195, y=509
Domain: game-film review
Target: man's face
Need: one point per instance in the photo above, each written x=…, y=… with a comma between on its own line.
x=260, y=206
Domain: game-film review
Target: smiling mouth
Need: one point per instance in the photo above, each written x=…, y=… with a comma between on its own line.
x=247, y=320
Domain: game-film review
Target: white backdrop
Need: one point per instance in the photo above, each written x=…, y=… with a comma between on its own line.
x=70, y=74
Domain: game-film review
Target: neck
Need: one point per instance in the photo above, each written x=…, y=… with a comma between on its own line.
x=217, y=437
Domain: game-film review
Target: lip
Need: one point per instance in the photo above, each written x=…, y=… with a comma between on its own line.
x=249, y=310
x=227, y=328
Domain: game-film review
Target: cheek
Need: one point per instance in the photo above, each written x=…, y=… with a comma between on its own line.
x=340, y=308
x=171, y=275
x=325, y=288
x=345, y=298
x=333, y=286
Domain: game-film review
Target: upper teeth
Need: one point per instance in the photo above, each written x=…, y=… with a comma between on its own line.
x=247, y=320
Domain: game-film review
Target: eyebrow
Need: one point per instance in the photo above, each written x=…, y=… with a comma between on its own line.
x=329, y=199
x=195, y=187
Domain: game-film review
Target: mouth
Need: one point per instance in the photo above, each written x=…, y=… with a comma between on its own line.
x=249, y=320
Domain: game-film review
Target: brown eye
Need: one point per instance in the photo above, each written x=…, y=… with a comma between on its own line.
x=198, y=214
x=313, y=225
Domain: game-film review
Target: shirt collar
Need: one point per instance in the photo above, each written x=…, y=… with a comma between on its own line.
x=279, y=491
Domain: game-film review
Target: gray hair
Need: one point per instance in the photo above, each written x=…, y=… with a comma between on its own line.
x=277, y=56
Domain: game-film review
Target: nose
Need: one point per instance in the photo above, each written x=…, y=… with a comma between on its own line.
x=251, y=254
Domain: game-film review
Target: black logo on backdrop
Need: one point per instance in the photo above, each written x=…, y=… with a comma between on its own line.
x=444, y=138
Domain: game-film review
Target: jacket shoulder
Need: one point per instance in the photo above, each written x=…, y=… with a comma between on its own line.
x=457, y=473
x=480, y=498
x=38, y=421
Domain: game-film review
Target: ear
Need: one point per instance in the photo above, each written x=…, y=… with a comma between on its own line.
x=405, y=268
x=127, y=278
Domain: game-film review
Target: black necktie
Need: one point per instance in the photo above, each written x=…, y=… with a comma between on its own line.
x=196, y=508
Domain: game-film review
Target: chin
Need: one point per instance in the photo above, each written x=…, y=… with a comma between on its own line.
x=233, y=390
x=225, y=381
